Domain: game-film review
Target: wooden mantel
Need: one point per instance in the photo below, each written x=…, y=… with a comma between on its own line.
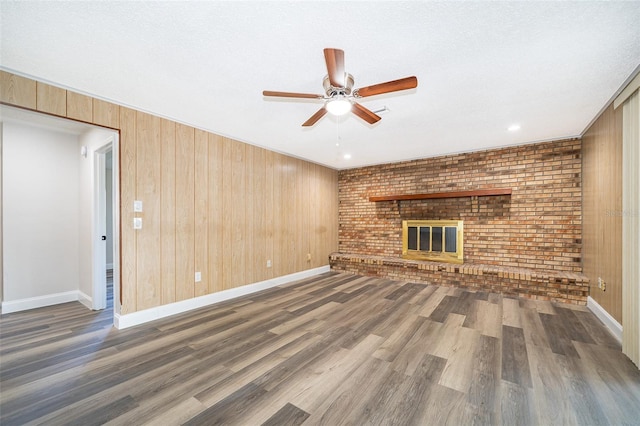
x=451, y=194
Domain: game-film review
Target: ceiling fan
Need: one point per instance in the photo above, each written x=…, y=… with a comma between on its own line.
x=339, y=98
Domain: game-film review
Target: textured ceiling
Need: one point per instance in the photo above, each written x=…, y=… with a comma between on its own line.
x=482, y=66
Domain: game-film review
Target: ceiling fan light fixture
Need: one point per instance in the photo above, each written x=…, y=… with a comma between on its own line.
x=338, y=105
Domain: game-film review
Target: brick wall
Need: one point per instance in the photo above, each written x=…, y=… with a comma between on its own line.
x=538, y=226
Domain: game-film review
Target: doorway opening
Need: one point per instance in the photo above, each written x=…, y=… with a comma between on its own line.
x=64, y=213
x=103, y=226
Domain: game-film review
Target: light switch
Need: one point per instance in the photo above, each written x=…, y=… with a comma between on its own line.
x=137, y=223
x=137, y=206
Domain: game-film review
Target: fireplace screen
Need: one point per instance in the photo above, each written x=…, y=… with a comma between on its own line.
x=437, y=240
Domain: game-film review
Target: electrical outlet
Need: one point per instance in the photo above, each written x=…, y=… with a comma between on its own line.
x=308, y=257
x=137, y=223
x=198, y=277
x=269, y=263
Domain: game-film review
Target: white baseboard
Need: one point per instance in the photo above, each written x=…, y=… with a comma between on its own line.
x=38, y=302
x=121, y=321
x=610, y=322
x=85, y=299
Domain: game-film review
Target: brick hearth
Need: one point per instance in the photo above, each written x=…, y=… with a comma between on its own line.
x=536, y=229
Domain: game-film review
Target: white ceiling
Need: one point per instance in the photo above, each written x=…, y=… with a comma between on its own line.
x=481, y=67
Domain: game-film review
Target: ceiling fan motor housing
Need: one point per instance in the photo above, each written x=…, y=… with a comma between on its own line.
x=332, y=91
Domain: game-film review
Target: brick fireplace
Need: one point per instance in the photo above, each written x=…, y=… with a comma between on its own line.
x=533, y=234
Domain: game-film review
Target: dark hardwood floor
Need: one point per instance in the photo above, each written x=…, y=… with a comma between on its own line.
x=334, y=349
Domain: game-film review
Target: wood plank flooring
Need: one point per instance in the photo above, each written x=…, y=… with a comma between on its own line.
x=329, y=350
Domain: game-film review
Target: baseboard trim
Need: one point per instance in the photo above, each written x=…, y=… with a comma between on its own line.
x=39, y=301
x=122, y=321
x=610, y=322
x=85, y=299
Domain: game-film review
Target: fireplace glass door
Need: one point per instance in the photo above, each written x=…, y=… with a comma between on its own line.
x=438, y=240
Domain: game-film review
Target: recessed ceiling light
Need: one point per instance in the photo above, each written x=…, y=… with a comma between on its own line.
x=347, y=156
x=514, y=128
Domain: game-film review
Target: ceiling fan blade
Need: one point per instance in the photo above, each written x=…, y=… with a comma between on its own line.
x=315, y=117
x=367, y=115
x=291, y=95
x=389, y=86
x=335, y=66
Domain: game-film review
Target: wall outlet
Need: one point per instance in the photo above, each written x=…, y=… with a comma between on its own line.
x=308, y=257
x=137, y=223
x=198, y=277
x=137, y=206
x=269, y=263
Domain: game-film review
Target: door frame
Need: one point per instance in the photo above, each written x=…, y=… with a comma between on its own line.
x=99, y=266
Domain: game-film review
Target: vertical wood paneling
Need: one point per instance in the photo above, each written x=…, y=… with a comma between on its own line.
x=168, y=212
x=185, y=217
x=128, y=236
x=306, y=224
x=302, y=207
x=210, y=203
x=105, y=114
x=315, y=222
x=79, y=107
x=602, y=209
x=216, y=207
x=149, y=181
x=290, y=250
x=238, y=214
x=300, y=250
x=327, y=227
x=276, y=216
x=248, y=252
x=257, y=248
x=283, y=246
x=631, y=228
x=201, y=194
x=330, y=212
x=18, y=91
x=51, y=99
x=302, y=224
x=228, y=198
x=269, y=212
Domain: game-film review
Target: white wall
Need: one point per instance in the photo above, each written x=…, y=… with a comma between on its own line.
x=40, y=212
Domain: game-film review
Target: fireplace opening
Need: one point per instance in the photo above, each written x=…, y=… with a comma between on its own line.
x=436, y=240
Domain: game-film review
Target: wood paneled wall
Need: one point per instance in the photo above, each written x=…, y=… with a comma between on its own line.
x=211, y=204
x=631, y=227
x=602, y=209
